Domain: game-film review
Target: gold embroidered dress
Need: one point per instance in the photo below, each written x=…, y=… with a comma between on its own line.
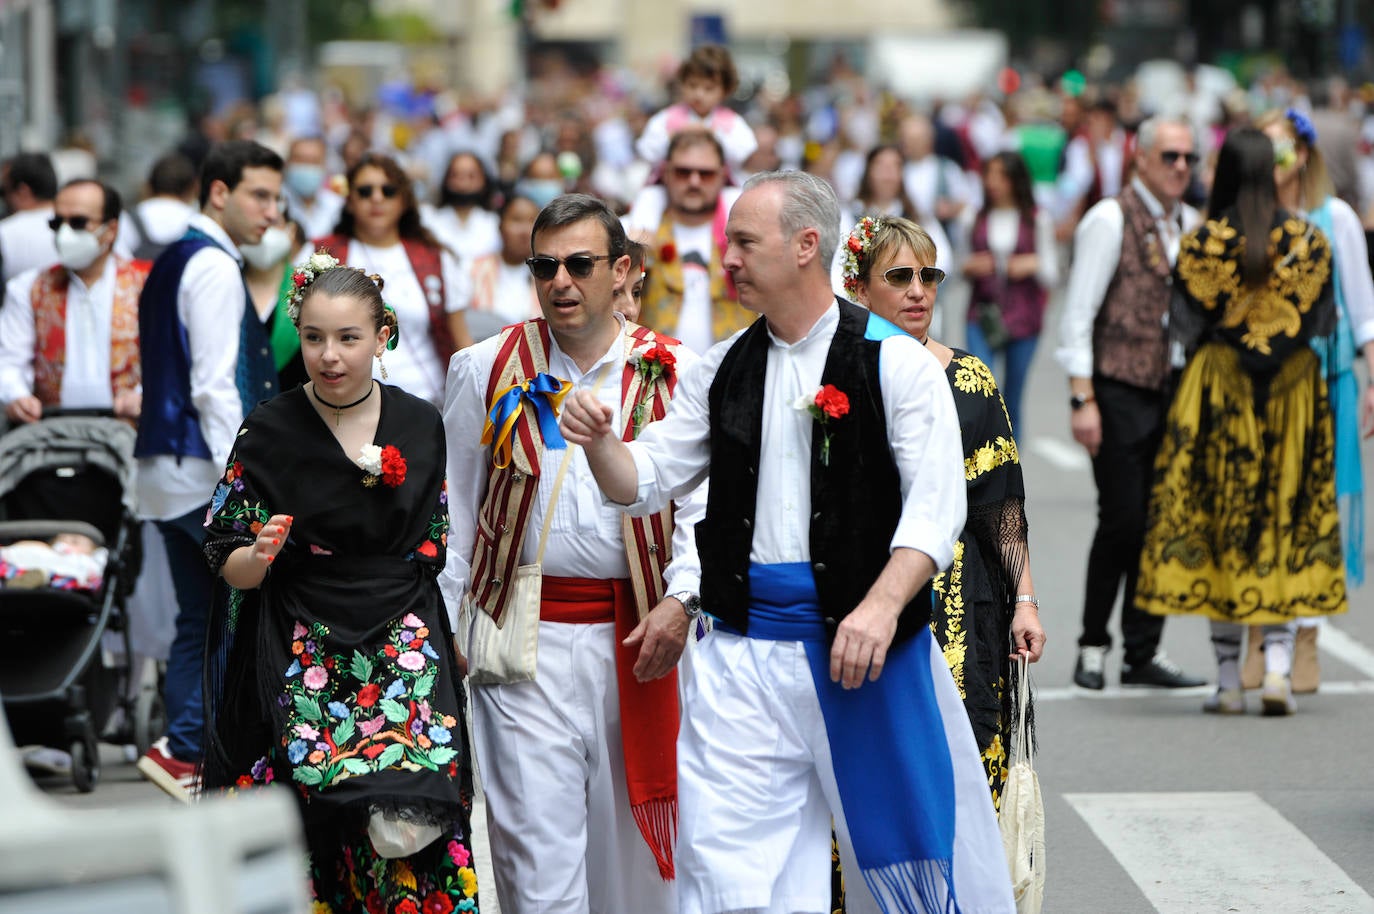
x=1243, y=525
x=975, y=598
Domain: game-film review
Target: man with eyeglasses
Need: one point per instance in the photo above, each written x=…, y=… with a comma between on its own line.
x=1114, y=344
x=836, y=491
x=69, y=331
x=207, y=363
x=688, y=292
x=574, y=689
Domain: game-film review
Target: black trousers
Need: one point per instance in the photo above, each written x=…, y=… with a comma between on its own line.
x=1132, y=427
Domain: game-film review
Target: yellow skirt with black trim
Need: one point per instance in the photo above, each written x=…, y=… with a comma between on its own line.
x=1243, y=525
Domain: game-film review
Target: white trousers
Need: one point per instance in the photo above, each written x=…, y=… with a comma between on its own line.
x=757, y=790
x=551, y=763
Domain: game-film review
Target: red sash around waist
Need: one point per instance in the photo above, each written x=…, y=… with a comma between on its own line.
x=581, y=601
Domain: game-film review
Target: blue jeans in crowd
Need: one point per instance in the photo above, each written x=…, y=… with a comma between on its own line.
x=1012, y=378
x=193, y=583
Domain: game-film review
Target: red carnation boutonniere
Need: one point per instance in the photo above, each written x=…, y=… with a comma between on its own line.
x=650, y=365
x=382, y=464
x=824, y=405
x=667, y=253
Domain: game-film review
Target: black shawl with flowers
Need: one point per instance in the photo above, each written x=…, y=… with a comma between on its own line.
x=337, y=675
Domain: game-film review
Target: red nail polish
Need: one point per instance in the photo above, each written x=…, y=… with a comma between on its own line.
x=274, y=542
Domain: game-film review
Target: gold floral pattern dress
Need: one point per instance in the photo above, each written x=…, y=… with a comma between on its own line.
x=337, y=676
x=1243, y=525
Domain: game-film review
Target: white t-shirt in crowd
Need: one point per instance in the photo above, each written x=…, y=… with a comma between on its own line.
x=694, y=320
x=478, y=235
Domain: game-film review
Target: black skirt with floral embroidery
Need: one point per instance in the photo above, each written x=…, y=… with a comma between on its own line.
x=337, y=676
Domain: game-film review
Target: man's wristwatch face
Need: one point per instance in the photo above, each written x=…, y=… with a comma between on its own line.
x=690, y=602
x=1078, y=401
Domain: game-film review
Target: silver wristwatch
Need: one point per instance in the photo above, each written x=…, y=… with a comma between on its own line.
x=691, y=602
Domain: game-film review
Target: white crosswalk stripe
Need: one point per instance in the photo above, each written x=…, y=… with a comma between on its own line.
x=1200, y=853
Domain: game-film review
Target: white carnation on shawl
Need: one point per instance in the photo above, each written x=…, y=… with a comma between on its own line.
x=806, y=401
x=370, y=459
x=321, y=262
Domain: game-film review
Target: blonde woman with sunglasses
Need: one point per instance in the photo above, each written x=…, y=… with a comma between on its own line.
x=986, y=612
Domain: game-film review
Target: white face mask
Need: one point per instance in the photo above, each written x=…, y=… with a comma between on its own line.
x=77, y=250
x=268, y=252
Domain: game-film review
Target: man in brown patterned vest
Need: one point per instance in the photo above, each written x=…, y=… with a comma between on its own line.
x=572, y=617
x=1114, y=344
x=69, y=331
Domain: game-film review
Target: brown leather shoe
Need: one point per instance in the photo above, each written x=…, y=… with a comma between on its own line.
x=1307, y=671
x=1252, y=668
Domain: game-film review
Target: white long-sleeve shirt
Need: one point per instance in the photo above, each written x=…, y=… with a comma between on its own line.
x=1096, y=255
x=1352, y=270
x=86, y=372
x=585, y=539
x=210, y=303
x=673, y=455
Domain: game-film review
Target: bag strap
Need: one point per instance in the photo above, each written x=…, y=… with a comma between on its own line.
x=558, y=480
x=1022, y=751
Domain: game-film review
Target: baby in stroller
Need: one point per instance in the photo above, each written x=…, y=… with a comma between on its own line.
x=68, y=561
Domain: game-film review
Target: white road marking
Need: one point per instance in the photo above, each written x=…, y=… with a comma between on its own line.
x=1111, y=693
x=1199, y=853
x=1064, y=456
x=1346, y=649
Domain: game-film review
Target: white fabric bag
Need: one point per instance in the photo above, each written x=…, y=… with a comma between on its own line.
x=1022, y=817
x=509, y=652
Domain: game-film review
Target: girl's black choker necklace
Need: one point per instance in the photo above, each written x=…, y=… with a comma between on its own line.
x=336, y=407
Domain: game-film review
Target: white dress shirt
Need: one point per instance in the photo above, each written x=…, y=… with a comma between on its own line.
x=1352, y=270
x=164, y=219
x=210, y=303
x=86, y=372
x=585, y=539
x=476, y=236
x=26, y=241
x=1097, y=254
x=317, y=217
x=673, y=455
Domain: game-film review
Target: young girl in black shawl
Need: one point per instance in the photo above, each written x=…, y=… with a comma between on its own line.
x=332, y=666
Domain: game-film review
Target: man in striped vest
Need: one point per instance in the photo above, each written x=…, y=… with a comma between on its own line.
x=571, y=616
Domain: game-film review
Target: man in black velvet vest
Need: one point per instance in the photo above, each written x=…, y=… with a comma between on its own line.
x=836, y=492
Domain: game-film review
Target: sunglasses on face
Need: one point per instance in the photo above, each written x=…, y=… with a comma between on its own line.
x=1171, y=157
x=79, y=223
x=580, y=266
x=901, y=277
x=684, y=173
x=388, y=190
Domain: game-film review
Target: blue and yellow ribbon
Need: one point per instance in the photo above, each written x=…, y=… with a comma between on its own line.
x=545, y=394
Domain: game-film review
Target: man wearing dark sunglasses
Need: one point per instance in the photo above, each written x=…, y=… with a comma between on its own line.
x=836, y=490
x=594, y=708
x=207, y=363
x=688, y=293
x=69, y=331
x=1114, y=343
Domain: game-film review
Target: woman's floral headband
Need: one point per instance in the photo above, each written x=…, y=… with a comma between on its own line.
x=1302, y=126
x=857, y=250
x=308, y=272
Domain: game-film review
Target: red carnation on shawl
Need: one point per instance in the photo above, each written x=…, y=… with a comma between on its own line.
x=662, y=355
x=393, y=466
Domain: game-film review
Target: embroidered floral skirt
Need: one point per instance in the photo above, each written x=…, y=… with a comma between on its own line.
x=1243, y=525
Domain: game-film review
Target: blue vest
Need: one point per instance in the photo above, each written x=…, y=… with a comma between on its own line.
x=170, y=423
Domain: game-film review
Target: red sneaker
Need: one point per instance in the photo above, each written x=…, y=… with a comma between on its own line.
x=177, y=778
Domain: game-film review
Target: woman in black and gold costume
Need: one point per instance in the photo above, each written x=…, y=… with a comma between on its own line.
x=985, y=607
x=1243, y=526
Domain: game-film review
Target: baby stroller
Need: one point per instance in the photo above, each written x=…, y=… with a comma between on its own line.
x=72, y=473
